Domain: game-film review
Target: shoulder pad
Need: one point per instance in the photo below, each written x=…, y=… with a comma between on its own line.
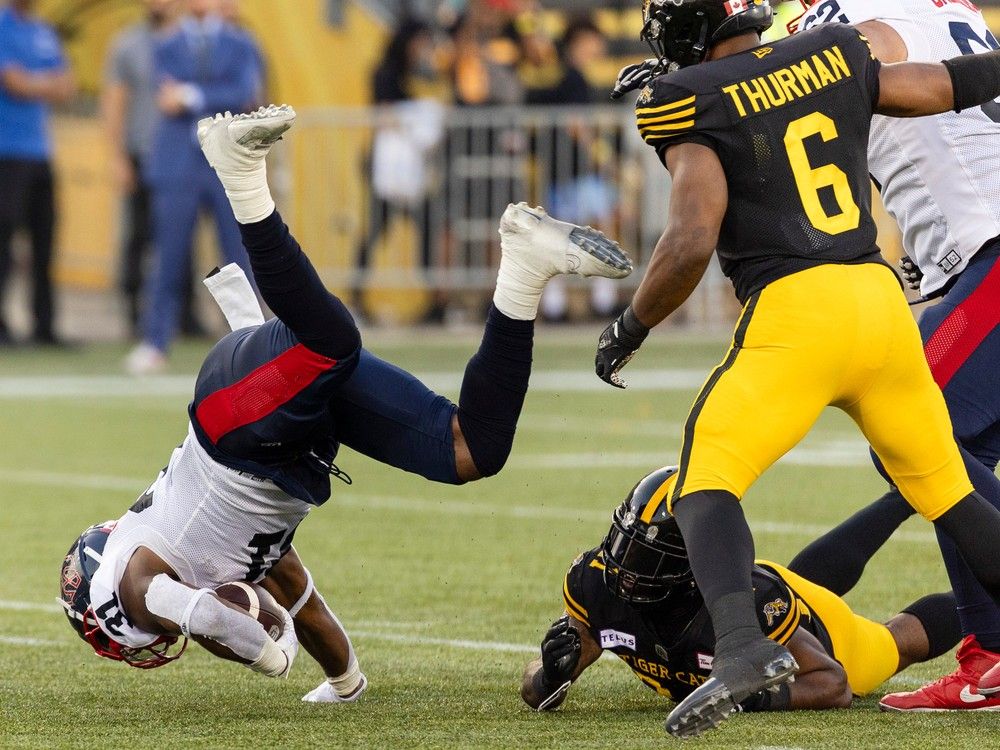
x=778, y=609
x=665, y=109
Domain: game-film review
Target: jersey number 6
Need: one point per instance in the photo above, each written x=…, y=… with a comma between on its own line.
x=810, y=180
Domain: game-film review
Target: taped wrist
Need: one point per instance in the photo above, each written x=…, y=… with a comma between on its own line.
x=974, y=78
x=197, y=614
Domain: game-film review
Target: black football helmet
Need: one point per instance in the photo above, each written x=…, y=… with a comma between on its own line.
x=78, y=569
x=681, y=32
x=644, y=554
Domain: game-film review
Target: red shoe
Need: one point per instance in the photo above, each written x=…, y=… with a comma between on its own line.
x=957, y=691
x=990, y=682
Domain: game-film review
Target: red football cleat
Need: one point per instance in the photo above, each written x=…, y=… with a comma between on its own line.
x=958, y=691
x=990, y=682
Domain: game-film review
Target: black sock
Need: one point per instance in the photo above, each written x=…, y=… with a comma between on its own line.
x=496, y=381
x=938, y=615
x=838, y=558
x=720, y=548
x=974, y=525
x=293, y=290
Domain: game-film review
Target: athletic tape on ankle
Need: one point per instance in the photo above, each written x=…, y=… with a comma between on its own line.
x=348, y=682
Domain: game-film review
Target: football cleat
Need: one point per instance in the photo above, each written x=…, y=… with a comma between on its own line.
x=715, y=701
x=957, y=691
x=544, y=247
x=242, y=141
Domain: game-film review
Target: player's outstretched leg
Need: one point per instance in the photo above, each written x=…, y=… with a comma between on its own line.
x=236, y=146
x=535, y=247
x=721, y=550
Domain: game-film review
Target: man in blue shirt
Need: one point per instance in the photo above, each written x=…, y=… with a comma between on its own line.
x=205, y=66
x=33, y=76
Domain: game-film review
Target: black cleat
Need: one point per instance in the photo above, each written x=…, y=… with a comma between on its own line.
x=714, y=702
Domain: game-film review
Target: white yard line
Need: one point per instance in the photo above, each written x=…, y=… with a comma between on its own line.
x=547, y=381
x=363, y=502
x=13, y=640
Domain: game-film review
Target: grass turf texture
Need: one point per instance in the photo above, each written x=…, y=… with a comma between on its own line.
x=408, y=565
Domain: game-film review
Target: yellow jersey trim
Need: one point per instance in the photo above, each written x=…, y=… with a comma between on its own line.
x=573, y=608
x=645, y=121
x=665, y=107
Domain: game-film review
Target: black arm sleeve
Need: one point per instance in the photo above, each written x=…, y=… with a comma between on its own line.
x=290, y=286
x=975, y=78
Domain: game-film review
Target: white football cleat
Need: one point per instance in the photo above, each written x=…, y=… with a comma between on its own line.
x=236, y=146
x=546, y=247
x=326, y=694
x=232, y=142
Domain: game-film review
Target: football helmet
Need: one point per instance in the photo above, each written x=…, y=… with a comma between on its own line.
x=78, y=569
x=787, y=16
x=681, y=32
x=645, y=559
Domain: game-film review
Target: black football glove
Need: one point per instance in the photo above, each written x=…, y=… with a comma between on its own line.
x=560, y=653
x=634, y=77
x=616, y=347
x=912, y=274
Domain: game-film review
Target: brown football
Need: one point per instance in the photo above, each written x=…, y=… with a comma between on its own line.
x=256, y=602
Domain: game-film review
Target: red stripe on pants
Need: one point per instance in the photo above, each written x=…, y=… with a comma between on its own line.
x=262, y=392
x=961, y=333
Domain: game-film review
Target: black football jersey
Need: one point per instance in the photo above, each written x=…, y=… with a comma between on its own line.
x=790, y=125
x=670, y=645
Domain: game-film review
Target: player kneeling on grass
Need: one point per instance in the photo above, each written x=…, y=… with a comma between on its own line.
x=273, y=403
x=133, y=588
x=636, y=597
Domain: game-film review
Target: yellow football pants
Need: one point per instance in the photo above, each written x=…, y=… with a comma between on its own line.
x=865, y=648
x=834, y=335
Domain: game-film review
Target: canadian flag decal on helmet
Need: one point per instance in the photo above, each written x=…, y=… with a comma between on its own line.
x=736, y=6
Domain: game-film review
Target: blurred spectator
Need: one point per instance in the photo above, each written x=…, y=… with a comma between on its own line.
x=578, y=192
x=33, y=76
x=128, y=104
x=409, y=91
x=203, y=67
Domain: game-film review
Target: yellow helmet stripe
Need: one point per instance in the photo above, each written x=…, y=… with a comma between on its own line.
x=667, y=118
x=784, y=631
x=665, y=107
x=658, y=497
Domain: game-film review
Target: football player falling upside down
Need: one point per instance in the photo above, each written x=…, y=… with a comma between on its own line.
x=635, y=596
x=273, y=403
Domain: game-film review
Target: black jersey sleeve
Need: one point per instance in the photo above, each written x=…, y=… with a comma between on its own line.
x=778, y=609
x=575, y=594
x=669, y=113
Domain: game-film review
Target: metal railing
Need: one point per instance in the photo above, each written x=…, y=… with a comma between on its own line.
x=407, y=198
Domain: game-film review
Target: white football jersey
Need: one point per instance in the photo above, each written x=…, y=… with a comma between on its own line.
x=939, y=176
x=211, y=524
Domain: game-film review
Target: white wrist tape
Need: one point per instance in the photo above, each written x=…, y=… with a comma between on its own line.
x=234, y=295
x=310, y=587
x=199, y=615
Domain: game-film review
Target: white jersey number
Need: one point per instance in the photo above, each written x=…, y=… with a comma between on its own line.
x=970, y=43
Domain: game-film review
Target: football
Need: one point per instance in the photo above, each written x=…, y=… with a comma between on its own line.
x=256, y=602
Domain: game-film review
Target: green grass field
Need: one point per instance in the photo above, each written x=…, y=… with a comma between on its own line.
x=445, y=590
